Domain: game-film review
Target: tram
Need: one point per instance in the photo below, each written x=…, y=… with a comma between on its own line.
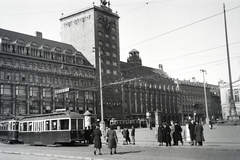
x=9, y=129
x=51, y=129
x=127, y=123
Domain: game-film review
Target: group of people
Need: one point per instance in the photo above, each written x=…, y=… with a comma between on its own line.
x=112, y=139
x=126, y=136
x=168, y=133
x=196, y=133
x=88, y=131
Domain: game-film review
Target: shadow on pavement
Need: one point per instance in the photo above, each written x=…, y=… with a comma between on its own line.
x=121, y=153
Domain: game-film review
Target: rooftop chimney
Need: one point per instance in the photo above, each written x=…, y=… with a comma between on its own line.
x=38, y=34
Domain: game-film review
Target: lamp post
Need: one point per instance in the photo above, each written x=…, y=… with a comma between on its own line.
x=102, y=123
x=148, y=116
x=205, y=95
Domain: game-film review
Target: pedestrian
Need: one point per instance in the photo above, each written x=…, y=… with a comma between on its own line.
x=172, y=134
x=107, y=129
x=128, y=140
x=160, y=135
x=133, y=135
x=199, y=134
x=112, y=140
x=210, y=124
x=90, y=137
x=124, y=136
x=178, y=133
x=85, y=135
x=166, y=134
x=191, y=127
x=97, y=140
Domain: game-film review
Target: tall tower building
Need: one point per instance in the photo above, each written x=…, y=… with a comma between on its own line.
x=98, y=27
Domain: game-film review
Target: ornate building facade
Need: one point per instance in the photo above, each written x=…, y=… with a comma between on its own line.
x=192, y=100
x=153, y=90
x=225, y=98
x=32, y=69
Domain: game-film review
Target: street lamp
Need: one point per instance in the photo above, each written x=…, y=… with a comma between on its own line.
x=204, y=85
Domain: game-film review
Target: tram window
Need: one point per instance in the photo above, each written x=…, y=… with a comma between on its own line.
x=54, y=124
x=80, y=123
x=16, y=125
x=73, y=124
x=30, y=127
x=64, y=124
x=10, y=126
x=6, y=127
x=47, y=127
x=25, y=126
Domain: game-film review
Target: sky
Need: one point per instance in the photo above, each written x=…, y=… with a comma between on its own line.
x=184, y=36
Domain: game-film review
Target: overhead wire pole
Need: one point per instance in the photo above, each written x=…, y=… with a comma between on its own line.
x=205, y=95
x=233, y=113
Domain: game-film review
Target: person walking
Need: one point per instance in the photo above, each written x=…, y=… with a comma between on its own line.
x=178, y=133
x=160, y=135
x=133, y=135
x=124, y=136
x=127, y=136
x=191, y=127
x=112, y=140
x=97, y=140
x=166, y=134
x=199, y=134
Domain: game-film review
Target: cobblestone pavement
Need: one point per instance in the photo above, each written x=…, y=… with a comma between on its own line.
x=221, y=143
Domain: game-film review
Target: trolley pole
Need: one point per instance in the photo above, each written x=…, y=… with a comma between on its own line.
x=102, y=123
x=205, y=94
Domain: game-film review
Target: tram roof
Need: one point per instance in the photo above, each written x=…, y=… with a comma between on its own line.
x=53, y=116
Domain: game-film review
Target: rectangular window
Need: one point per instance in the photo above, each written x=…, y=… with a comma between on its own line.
x=9, y=61
x=107, y=44
x=47, y=125
x=113, y=37
x=107, y=53
x=2, y=75
x=9, y=76
x=115, y=72
x=2, y=61
x=23, y=76
x=73, y=124
x=30, y=64
x=21, y=91
x=108, y=71
x=17, y=63
x=17, y=76
x=114, y=46
x=23, y=64
x=49, y=67
x=30, y=78
x=114, y=64
x=36, y=78
x=108, y=62
x=64, y=124
x=47, y=92
x=44, y=66
x=80, y=124
x=6, y=89
x=114, y=55
x=37, y=65
x=54, y=124
x=107, y=35
x=43, y=79
x=34, y=91
x=100, y=42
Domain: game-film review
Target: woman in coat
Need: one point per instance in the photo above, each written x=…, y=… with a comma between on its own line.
x=199, y=134
x=97, y=140
x=160, y=135
x=112, y=140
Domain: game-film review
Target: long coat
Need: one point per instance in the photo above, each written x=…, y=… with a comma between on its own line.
x=199, y=133
x=166, y=134
x=178, y=133
x=97, y=138
x=191, y=128
x=160, y=134
x=112, y=139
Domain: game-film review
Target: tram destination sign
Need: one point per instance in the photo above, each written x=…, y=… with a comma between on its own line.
x=63, y=90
